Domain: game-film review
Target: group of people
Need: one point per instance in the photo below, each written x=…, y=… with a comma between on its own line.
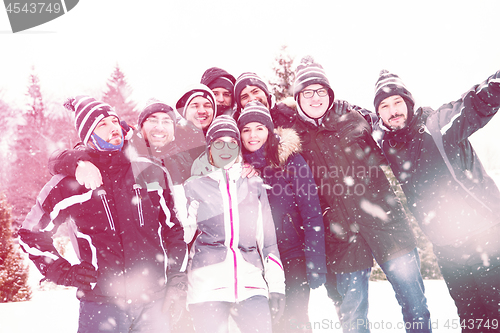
x=235, y=206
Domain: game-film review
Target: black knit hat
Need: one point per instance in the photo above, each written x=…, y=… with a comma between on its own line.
x=88, y=113
x=255, y=111
x=154, y=106
x=195, y=91
x=223, y=125
x=388, y=85
x=215, y=77
x=309, y=72
x=250, y=79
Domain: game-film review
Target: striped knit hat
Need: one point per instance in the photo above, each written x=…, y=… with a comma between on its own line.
x=309, y=72
x=88, y=113
x=195, y=91
x=223, y=125
x=255, y=111
x=215, y=77
x=250, y=79
x=388, y=85
x=154, y=106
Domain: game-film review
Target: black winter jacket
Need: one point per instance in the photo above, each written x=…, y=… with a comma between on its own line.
x=294, y=202
x=448, y=191
x=361, y=213
x=126, y=229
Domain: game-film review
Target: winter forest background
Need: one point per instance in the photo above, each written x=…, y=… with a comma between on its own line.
x=439, y=49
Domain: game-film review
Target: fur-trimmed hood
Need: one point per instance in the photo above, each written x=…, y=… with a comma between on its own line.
x=289, y=143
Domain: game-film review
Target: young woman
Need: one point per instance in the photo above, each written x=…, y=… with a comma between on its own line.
x=234, y=261
x=295, y=205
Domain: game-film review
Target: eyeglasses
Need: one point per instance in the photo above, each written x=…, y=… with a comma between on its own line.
x=309, y=93
x=220, y=144
x=155, y=121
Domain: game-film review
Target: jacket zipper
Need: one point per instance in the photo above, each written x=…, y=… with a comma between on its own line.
x=102, y=195
x=137, y=187
x=231, y=244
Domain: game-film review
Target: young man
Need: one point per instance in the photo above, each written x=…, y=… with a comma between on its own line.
x=125, y=233
x=363, y=217
x=249, y=87
x=197, y=105
x=455, y=202
x=222, y=85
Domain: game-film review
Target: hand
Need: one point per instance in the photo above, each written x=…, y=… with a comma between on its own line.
x=316, y=280
x=276, y=305
x=341, y=107
x=248, y=171
x=88, y=174
x=175, y=301
x=80, y=276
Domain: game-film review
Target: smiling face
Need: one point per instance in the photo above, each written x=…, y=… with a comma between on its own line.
x=315, y=106
x=252, y=93
x=200, y=112
x=253, y=136
x=394, y=112
x=224, y=151
x=158, y=129
x=109, y=130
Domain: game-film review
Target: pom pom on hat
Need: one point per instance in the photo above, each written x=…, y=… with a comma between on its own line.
x=389, y=84
x=88, y=113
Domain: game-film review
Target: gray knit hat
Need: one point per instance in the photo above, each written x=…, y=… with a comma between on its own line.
x=88, y=113
x=250, y=79
x=388, y=85
x=223, y=125
x=255, y=111
x=309, y=72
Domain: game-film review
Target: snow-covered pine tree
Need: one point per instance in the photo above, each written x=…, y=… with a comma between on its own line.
x=117, y=95
x=13, y=270
x=284, y=75
x=29, y=172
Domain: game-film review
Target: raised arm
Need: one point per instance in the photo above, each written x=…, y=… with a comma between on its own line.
x=460, y=119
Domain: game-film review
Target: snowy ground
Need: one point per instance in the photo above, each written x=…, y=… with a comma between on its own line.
x=57, y=311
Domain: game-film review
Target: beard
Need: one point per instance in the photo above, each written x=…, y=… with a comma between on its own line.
x=223, y=109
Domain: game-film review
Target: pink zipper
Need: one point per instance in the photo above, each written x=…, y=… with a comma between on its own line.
x=232, y=238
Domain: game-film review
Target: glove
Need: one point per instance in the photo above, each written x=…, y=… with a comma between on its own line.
x=316, y=280
x=80, y=276
x=276, y=305
x=341, y=107
x=175, y=298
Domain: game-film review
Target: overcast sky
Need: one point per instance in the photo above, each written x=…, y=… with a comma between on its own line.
x=438, y=48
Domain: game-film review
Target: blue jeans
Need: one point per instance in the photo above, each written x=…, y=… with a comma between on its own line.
x=353, y=307
x=404, y=275
x=251, y=315
x=111, y=318
x=351, y=295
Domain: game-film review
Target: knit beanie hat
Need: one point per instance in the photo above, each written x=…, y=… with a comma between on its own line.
x=388, y=85
x=309, y=72
x=154, y=106
x=222, y=125
x=250, y=79
x=88, y=113
x=255, y=111
x=218, y=78
x=195, y=91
